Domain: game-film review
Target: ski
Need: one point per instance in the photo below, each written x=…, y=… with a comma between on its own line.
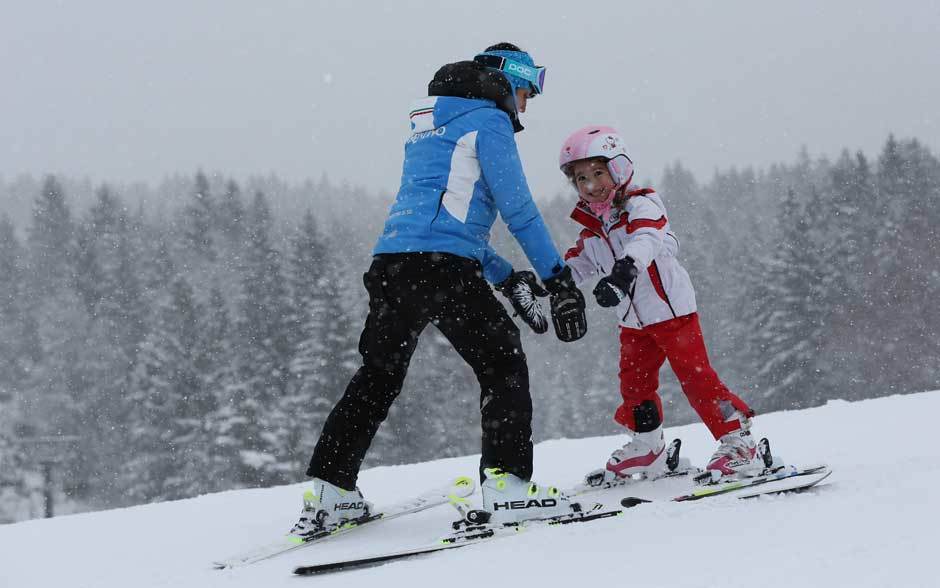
x=472, y=535
x=784, y=479
x=676, y=466
x=452, y=493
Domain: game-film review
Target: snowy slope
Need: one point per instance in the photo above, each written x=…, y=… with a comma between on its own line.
x=873, y=524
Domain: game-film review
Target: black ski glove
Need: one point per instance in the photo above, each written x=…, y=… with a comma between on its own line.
x=612, y=289
x=567, y=304
x=521, y=288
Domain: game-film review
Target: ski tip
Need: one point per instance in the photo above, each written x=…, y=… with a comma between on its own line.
x=631, y=501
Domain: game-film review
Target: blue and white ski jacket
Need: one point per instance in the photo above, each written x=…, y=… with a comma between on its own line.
x=461, y=168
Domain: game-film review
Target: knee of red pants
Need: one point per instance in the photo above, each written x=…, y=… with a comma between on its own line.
x=637, y=385
x=640, y=360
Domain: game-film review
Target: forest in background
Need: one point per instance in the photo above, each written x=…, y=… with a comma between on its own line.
x=192, y=337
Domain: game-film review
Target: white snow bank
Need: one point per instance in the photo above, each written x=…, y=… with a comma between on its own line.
x=873, y=524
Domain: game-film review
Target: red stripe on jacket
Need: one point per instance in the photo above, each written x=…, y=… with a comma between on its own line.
x=578, y=247
x=645, y=223
x=657, y=280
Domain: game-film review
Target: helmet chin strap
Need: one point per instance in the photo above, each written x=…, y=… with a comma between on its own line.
x=603, y=207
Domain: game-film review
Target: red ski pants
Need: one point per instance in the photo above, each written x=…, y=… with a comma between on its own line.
x=642, y=353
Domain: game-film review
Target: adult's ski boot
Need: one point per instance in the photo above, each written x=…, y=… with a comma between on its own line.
x=327, y=506
x=508, y=499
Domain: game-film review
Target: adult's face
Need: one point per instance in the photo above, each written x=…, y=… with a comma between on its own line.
x=522, y=97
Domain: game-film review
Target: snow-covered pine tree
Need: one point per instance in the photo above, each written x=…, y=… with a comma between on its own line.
x=170, y=441
x=787, y=331
x=907, y=247
x=106, y=279
x=198, y=216
x=159, y=266
x=19, y=344
x=846, y=253
x=60, y=384
x=88, y=280
x=230, y=215
x=19, y=350
x=263, y=330
x=216, y=365
x=51, y=240
x=313, y=388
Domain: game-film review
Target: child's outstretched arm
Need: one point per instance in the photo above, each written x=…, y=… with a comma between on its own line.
x=581, y=259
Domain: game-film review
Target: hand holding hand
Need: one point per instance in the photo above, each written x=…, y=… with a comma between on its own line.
x=567, y=305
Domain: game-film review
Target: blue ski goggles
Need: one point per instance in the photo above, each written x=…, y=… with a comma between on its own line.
x=534, y=74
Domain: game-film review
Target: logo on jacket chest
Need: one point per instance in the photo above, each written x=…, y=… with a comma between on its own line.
x=613, y=219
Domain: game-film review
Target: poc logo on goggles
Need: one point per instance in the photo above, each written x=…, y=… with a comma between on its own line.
x=523, y=70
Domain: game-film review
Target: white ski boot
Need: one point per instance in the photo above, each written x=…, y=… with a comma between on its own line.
x=737, y=455
x=644, y=454
x=327, y=507
x=510, y=499
x=673, y=465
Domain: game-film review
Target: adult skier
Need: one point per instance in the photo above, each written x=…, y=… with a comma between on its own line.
x=432, y=264
x=627, y=241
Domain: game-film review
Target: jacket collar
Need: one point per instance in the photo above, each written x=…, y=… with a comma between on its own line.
x=583, y=215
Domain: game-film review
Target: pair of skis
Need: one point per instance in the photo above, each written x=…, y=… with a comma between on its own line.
x=787, y=479
x=775, y=478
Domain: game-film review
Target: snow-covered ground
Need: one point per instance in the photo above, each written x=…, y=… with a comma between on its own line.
x=873, y=523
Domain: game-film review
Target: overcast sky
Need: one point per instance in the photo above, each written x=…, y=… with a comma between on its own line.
x=121, y=90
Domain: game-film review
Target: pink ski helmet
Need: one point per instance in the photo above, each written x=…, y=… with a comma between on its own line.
x=598, y=141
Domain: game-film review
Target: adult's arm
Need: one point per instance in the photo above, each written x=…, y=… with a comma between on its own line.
x=502, y=172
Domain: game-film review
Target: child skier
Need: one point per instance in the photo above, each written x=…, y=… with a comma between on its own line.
x=626, y=239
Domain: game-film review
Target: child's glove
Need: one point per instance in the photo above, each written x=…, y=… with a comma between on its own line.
x=521, y=288
x=612, y=289
x=567, y=304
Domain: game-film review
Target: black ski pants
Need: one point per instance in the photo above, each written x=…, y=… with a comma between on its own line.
x=406, y=292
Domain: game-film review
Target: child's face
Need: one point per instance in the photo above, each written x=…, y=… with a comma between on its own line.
x=592, y=179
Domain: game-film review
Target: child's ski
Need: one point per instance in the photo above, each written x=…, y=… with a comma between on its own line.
x=454, y=492
x=785, y=479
